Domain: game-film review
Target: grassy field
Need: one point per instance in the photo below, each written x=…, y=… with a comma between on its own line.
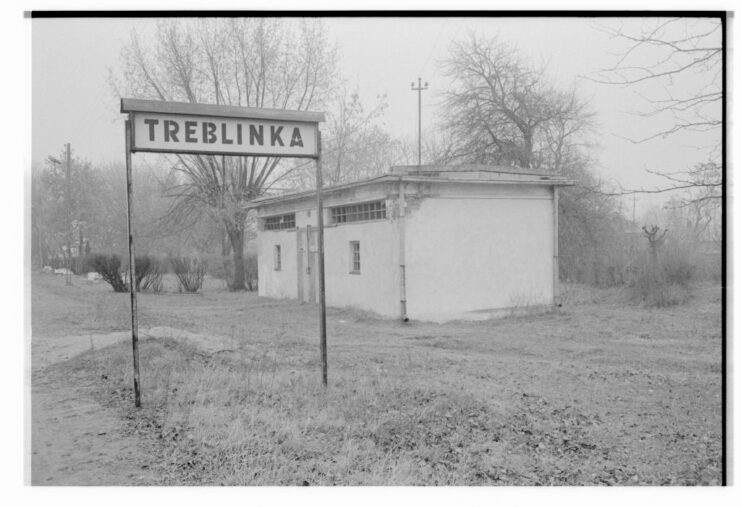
x=600, y=392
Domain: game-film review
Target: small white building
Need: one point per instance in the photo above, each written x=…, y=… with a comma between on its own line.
x=422, y=242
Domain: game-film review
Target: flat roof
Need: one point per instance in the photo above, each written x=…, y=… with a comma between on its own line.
x=479, y=174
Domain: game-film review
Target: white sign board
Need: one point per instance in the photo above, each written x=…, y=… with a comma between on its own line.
x=224, y=130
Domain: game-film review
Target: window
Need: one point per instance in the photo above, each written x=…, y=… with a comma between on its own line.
x=279, y=222
x=276, y=257
x=375, y=210
x=355, y=257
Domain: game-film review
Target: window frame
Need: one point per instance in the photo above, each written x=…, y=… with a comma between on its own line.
x=355, y=261
x=279, y=222
x=358, y=212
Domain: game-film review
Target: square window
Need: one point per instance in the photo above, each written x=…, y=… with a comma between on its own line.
x=355, y=257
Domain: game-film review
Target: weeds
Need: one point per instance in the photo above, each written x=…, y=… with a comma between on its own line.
x=661, y=281
x=513, y=402
x=253, y=419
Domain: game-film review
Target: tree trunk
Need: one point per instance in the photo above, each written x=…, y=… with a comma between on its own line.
x=653, y=248
x=527, y=150
x=225, y=262
x=236, y=238
x=79, y=244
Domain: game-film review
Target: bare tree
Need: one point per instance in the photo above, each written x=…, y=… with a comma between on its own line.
x=437, y=149
x=675, y=65
x=656, y=238
x=502, y=110
x=357, y=146
x=283, y=64
x=62, y=209
x=354, y=145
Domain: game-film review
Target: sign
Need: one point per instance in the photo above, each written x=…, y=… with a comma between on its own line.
x=176, y=127
x=183, y=127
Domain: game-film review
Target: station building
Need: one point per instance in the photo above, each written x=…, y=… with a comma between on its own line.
x=433, y=243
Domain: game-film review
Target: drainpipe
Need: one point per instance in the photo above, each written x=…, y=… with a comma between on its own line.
x=555, y=247
x=402, y=256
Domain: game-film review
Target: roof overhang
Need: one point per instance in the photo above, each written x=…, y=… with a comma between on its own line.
x=297, y=196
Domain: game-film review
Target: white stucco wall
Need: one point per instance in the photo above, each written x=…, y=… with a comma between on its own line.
x=271, y=283
x=484, y=249
x=376, y=288
x=469, y=250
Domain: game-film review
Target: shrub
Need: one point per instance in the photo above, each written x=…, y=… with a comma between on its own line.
x=149, y=272
x=668, y=294
x=57, y=262
x=678, y=266
x=109, y=268
x=190, y=272
x=143, y=268
x=663, y=282
x=81, y=265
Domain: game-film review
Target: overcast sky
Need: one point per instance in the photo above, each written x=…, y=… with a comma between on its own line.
x=73, y=102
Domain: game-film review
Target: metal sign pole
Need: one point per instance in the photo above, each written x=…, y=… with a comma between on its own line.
x=320, y=248
x=132, y=267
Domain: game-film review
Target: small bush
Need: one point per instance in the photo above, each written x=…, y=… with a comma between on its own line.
x=190, y=272
x=678, y=267
x=149, y=273
x=663, y=282
x=143, y=269
x=57, y=262
x=109, y=268
x=81, y=265
x=668, y=294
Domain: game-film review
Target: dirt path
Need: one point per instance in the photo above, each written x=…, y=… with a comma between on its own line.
x=51, y=350
x=77, y=441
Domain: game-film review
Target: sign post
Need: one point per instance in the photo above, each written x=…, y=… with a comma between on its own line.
x=320, y=248
x=132, y=267
x=204, y=129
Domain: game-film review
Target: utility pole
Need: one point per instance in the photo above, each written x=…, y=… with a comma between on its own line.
x=68, y=275
x=419, y=89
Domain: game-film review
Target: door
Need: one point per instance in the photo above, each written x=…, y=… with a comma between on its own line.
x=300, y=263
x=308, y=248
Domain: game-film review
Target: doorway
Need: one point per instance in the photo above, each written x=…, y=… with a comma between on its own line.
x=307, y=264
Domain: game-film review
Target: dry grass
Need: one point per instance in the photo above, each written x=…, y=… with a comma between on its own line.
x=595, y=394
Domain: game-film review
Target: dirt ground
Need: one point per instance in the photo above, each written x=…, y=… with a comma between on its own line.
x=598, y=393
